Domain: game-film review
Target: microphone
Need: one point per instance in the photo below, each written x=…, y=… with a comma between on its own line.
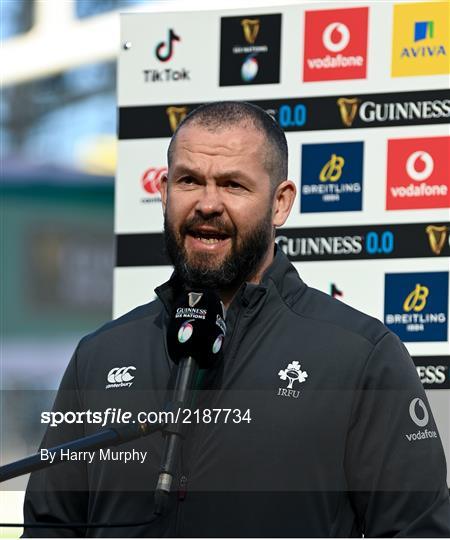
x=195, y=337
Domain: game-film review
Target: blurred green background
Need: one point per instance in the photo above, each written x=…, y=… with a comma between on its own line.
x=58, y=158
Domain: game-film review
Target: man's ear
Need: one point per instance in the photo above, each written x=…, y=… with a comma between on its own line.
x=282, y=203
x=163, y=190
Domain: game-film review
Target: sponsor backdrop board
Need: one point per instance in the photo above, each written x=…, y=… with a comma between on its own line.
x=362, y=92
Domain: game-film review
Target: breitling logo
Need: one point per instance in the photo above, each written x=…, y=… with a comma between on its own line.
x=348, y=107
x=250, y=28
x=416, y=299
x=176, y=115
x=437, y=235
x=332, y=170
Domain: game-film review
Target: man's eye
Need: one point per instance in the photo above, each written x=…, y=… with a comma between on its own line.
x=187, y=180
x=233, y=185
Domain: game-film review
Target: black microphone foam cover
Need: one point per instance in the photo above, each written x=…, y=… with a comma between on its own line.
x=197, y=328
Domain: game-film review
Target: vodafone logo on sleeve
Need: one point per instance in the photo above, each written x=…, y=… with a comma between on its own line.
x=335, y=44
x=417, y=173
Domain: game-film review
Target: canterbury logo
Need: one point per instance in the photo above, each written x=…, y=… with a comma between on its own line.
x=119, y=377
x=416, y=299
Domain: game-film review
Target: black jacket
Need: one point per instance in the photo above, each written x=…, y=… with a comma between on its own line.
x=344, y=452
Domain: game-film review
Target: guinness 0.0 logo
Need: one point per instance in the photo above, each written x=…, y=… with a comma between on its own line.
x=176, y=116
x=348, y=107
x=437, y=235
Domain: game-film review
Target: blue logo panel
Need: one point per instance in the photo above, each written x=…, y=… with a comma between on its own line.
x=332, y=177
x=416, y=305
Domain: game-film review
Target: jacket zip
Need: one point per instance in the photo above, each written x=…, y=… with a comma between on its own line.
x=183, y=480
x=232, y=347
x=182, y=487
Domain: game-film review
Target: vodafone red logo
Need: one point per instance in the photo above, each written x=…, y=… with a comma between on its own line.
x=335, y=44
x=330, y=33
x=419, y=166
x=418, y=173
x=151, y=179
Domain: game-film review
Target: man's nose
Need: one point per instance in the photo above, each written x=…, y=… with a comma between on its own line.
x=210, y=200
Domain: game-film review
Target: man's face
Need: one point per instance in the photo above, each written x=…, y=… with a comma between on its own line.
x=218, y=211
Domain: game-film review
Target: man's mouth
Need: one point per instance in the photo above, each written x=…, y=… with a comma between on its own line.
x=208, y=236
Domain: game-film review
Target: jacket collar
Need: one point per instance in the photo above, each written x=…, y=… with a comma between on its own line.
x=285, y=277
x=281, y=274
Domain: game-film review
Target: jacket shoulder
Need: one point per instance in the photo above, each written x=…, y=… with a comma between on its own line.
x=135, y=317
x=323, y=309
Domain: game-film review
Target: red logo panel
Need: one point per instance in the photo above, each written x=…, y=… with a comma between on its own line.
x=335, y=44
x=418, y=173
x=151, y=179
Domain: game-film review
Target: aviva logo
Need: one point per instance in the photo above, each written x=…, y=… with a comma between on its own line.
x=423, y=29
x=421, y=39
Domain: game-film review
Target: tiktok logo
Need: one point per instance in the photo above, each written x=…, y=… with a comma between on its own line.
x=164, y=50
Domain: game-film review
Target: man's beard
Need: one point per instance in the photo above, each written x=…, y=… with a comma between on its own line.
x=241, y=264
